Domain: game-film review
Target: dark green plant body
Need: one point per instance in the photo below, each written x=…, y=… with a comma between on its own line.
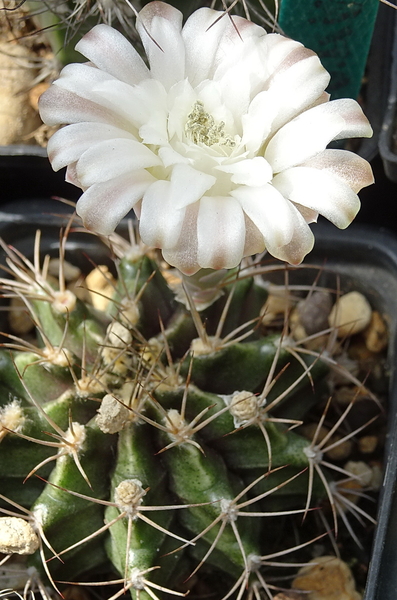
x=178, y=474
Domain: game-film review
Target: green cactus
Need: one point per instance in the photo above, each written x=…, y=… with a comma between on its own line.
x=132, y=447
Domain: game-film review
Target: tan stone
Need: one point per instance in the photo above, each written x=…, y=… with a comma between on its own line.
x=100, y=283
x=367, y=444
x=350, y=314
x=326, y=578
x=19, y=318
x=376, y=334
x=274, y=306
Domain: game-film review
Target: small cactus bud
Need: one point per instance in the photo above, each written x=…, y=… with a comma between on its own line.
x=128, y=495
x=243, y=406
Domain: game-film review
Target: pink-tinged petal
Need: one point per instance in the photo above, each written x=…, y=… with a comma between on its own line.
x=301, y=244
x=160, y=224
x=112, y=158
x=160, y=26
x=302, y=138
x=81, y=80
x=254, y=242
x=220, y=233
x=243, y=43
x=280, y=49
x=320, y=191
x=310, y=132
x=297, y=86
x=210, y=37
x=356, y=123
x=184, y=254
x=349, y=167
x=300, y=71
x=251, y=171
x=297, y=53
x=68, y=144
x=310, y=216
x=270, y=212
x=142, y=106
x=59, y=107
x=71, y=175
x=110, y=51
x=104, y=204
x=188, y=185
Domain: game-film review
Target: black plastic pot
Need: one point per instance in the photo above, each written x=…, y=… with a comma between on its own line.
x=367, y=261
x=388, y=136
x=25, y=172
x=364, y=259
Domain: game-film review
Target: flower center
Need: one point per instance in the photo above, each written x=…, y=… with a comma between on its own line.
x=201, y=128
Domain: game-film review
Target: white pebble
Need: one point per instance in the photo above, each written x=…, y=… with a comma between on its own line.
x=17, y=536
x=112, y=415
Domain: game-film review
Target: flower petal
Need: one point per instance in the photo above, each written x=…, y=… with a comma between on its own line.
x=111, y=52
x=254, y=242
x=309, y=133
x=202, y=37
x=241, y=73
x=295, y=87
x=321, y=191
x=269, y=211
x=160, y=26
x=209, y=38
x=81, y=80
x=281, y=52
x=184, y=254
x=104, y=204
x=170, y=156
x=350, y=167
x=68, y=144
x=220, y=233
x=71, y=175
x=251, y=171
x=257, y=122
x=210, y=93
x=188, y=185
x=111, y=158
x=301, y=243
x=160, y=224
x=59, y=107
x=181, y=99
x=143, y=106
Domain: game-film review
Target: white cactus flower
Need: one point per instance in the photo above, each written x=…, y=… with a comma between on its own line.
x=219, y=145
